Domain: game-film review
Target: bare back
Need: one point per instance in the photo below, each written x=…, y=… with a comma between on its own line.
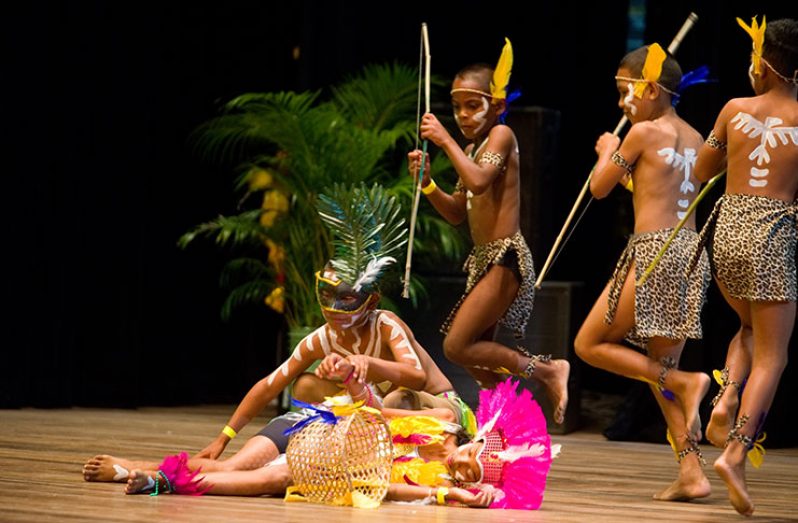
x=495, y=213
x=664, y=152
x=762, y=145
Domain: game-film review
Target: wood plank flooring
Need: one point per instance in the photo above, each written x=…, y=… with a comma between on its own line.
x=42, y=451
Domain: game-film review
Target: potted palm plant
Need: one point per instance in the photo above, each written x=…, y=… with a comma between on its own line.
x=290, y=146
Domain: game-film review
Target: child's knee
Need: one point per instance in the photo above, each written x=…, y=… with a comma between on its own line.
x=453, y=349
x=305, y=388
x=583, y=346
x=275, y=480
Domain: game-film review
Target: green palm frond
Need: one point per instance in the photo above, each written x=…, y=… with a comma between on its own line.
x=249, y=293
x=241, y=270
x=238, y=230
x=366, y=225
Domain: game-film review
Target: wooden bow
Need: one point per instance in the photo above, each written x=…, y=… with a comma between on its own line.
x=425, y=59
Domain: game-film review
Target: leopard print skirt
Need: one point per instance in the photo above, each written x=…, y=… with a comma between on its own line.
x=481, y=259
x=668, y=304
x=753, y=240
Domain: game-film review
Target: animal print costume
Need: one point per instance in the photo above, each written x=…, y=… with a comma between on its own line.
x=753, y=241
x=668, y=304
x=514, y=253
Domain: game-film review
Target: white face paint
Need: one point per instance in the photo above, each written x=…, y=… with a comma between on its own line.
x=630, y=96
x=459, y=476
x=479, y=116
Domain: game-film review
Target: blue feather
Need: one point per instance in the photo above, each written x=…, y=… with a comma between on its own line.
x=699, y=75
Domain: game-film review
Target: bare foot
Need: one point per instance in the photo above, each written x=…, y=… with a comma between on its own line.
x=695, y=387
x=140, y=482
x=722, y=420
x=103, y=467
x=684, y=489
x=734, y=478
x=555, y=379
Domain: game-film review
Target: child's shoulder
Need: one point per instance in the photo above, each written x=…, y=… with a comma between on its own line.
x=501, y=130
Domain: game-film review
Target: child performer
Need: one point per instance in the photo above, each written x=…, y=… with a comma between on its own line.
x=658, y=154
x=378, y=345
x=500, y=286
x=753, y=235
x=504, y=466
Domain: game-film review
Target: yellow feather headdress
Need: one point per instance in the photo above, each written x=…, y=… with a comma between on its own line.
x=501, y=74
x=652, y=68
x=757, y=34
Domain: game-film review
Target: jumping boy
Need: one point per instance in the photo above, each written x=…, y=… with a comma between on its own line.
x=658, y=155
x=500, y=285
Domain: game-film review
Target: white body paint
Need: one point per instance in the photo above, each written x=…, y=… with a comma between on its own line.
x=328, y=340
x=684, y=163
x=121, y=472
x=769, y=136
x=627, y=101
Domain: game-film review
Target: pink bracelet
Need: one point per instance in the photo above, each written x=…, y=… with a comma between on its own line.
x=349, y=378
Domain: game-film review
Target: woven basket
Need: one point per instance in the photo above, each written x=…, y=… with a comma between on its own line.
x=336, y=464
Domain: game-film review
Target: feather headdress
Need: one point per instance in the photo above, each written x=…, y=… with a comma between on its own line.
x=502, y=72
x=652, y=68
x=517, y=451
x=757, y=34
x=367, y=229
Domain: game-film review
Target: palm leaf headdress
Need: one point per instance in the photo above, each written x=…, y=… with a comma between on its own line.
x=367, y=230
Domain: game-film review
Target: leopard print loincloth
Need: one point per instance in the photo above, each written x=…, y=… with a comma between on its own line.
x=753, y=240
x=668, y=304
x=481, y=259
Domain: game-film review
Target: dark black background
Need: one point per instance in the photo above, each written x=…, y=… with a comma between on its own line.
x=102, y=307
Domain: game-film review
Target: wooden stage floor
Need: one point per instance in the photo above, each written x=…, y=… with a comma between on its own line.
x=42, y=451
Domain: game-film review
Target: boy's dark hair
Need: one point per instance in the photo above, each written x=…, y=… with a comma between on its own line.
x=480, y=72
x=671, y=75
x=781, y=46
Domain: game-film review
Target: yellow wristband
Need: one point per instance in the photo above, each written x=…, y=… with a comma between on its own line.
x=229, y=432
x=441, y=495
x=430, y=188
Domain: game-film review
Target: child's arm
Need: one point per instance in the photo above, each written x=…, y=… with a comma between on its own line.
x=477, y=176
x=451, y=206
x=265, y=390
x=403, y=492
x=611, y=168
x=712, y=155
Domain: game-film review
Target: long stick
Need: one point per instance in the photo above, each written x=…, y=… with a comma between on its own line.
x=674, y=45
x=678, y=227
x=417, y=191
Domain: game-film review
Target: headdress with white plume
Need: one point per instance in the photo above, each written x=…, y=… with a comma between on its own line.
x=367, y=229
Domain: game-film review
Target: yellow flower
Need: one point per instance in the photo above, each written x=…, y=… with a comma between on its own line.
x=276, y=254
x=274, y=200
x=276, y=299
x=274, y=204
x=259, y=179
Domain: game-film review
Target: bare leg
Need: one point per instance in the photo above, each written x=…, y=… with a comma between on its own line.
x=256, y=452
x=691, y=482
x=271, y=480
x=312, y=389
x=772, y=324
x=478, y=314
x=738, y=361
x=598, y=344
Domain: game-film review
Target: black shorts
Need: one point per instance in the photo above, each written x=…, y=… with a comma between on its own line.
x=275, y=428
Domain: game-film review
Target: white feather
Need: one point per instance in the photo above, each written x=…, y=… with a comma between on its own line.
x=521, y=451
x=372, y=272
